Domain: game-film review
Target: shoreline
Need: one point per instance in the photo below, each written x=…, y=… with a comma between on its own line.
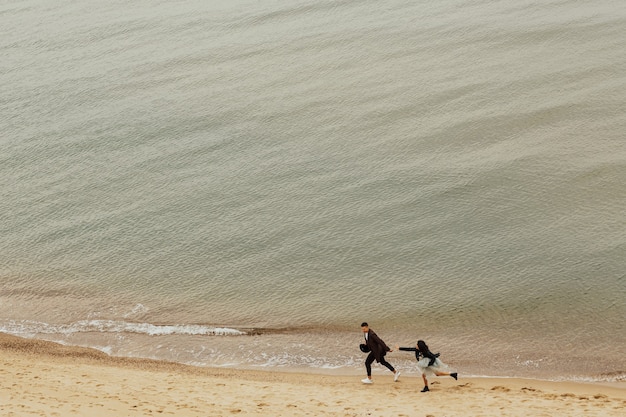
x=49, y=379
x=355, y=369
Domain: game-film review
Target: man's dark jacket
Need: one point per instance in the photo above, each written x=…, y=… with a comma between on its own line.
x=376, y=345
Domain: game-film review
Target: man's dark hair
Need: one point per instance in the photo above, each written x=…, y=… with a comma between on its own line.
x=364, y=324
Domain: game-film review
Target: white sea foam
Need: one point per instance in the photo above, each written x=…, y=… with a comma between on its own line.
x=31, y=328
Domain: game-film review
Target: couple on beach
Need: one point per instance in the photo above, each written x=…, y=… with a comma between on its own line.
x=427, y=362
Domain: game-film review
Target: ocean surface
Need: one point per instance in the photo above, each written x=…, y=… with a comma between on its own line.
x=242, y=183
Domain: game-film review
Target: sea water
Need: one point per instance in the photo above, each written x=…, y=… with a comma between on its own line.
x=242, y=183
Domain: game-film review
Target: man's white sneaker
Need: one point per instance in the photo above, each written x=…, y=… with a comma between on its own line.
x=396, y=376
x=366, y=381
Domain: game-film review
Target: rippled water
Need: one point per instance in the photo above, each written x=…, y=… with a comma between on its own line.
x=243, y=183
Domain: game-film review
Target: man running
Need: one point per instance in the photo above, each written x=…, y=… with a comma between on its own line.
x=378, y=349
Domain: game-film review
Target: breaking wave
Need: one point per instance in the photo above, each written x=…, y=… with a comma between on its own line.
x=23, y=328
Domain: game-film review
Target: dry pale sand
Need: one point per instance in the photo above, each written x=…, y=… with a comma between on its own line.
x=46, y=379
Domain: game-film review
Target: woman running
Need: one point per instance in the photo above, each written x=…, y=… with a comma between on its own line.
x=428, y=362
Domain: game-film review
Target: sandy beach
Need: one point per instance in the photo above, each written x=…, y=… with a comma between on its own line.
x=46, y=379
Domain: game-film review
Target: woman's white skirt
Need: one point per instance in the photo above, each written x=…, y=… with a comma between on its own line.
x=433, y=369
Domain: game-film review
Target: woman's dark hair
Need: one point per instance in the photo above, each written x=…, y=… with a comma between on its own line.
x=422, y=346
